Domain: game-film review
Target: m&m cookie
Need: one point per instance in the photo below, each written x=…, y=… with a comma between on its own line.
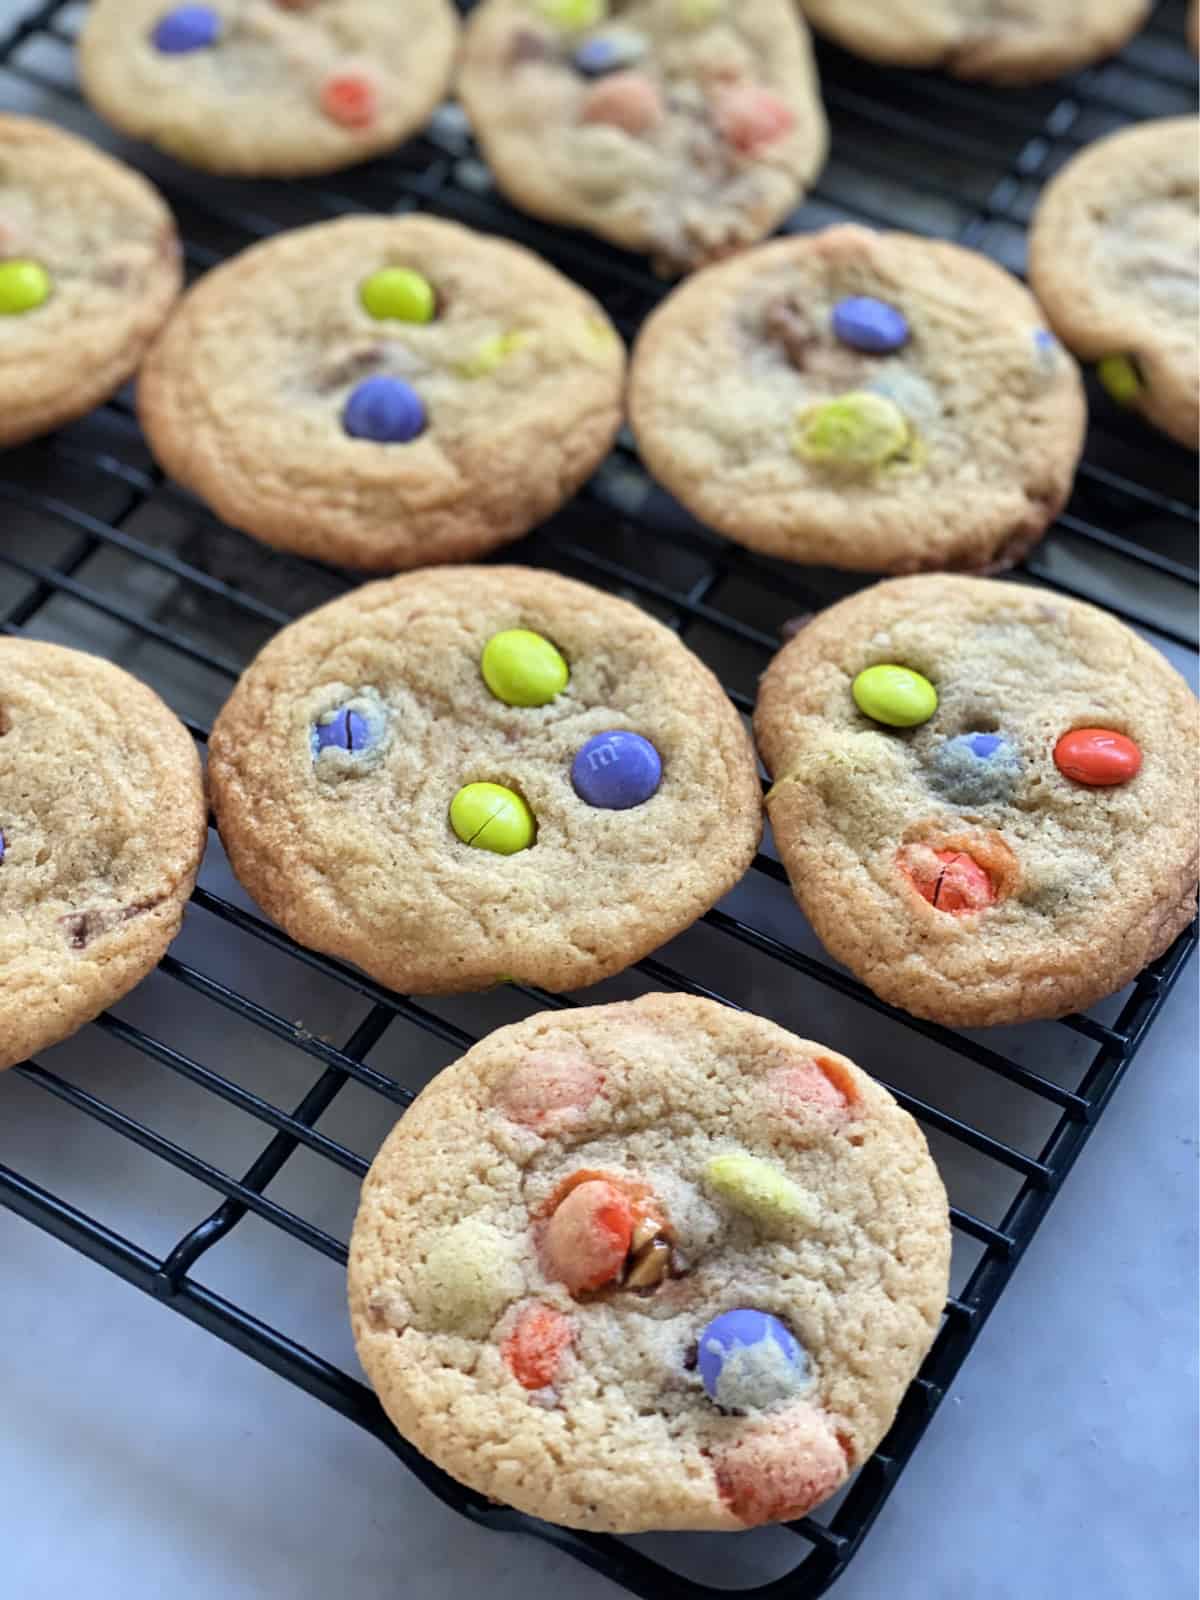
x=1114, y=257
x=1017, y=42
x=384, y=391
x=684, y=129
x=866, y=400
x=706, y=1261
x=102, y=826
x=985, y=795
x=268, y=88
x=478, y=773
x=89, y=268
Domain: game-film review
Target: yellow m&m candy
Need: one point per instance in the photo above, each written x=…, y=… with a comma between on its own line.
x=522, y=668
x=895, y=696
x=24, y=286
x=1120, y=377
x=397, y=294
x=857, y=430
x=490, y=817
x=574, y=14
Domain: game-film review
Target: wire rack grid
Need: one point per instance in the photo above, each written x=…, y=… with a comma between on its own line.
x=219, y=1091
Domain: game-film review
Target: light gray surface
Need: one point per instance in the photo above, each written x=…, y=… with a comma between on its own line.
x=140, y=1457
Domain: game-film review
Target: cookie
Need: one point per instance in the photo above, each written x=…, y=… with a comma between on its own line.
x=384, y=391
x=1114, y=257
x=102, y=826
x=866, y=400
x=89, y=268
x=268, y=88
x=985, y=796
x=999, y=41
x=461, y=776
x=650, y=1265
x=681, y=128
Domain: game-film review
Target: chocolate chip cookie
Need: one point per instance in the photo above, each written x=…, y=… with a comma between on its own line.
x=384, y=391
x=985, y=795
x=479, y=773
x=999, y=41
x=682, y=128
x=268, y=88
x=1114, y=257
x=89, y=268
x=650, y=1265
x=865, y=400
x=102, y=826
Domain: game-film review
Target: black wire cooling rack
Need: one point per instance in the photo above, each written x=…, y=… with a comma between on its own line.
x=215, y=1083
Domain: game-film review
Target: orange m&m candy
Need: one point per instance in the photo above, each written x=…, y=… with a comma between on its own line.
x=951, y=880
x=349, y=98
x=588, y=1236
x=1098, y=757
x=536, y=1345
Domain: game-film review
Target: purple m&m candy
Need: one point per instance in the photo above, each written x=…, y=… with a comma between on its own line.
x=870, y=325
x=609, y=52
x=186, y=28
x=749, y=1360
x=975, y=769
x=384, y=410
x=984, y=744
x=344, y=730
x=616, y=771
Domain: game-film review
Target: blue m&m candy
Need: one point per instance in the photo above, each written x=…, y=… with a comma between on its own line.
x=870, y=325
x=3, y=847
x=186, y=28
x=748, y=1360
x=975, y=769
x=616, y=771
x=343, y=730
x=609, y=52
x=384, y=410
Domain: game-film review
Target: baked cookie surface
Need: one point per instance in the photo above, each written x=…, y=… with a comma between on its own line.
x=102, y=826
x=649, y=1265
x=89, y=268
x=999, y=41
x=1114, y=257
x=268, y=88
x=985, y=795
x=475, y=773
x=384, y=391
x=857, y=399
x=681, y=128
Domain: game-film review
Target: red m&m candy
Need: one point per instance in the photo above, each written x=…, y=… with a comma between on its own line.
x=749, y=117
x=1098, y=757
x=349, y=98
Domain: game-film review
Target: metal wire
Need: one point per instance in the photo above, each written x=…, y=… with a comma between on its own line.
x=909, y=150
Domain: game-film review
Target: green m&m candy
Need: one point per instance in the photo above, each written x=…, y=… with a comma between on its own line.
x=1120, y=377
x=522, y=668
x=894, y=695
x=24, y=285
x=574, y=13
x=491, y=353
x=860, y=429
x=490, y=817
x=397, y=294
